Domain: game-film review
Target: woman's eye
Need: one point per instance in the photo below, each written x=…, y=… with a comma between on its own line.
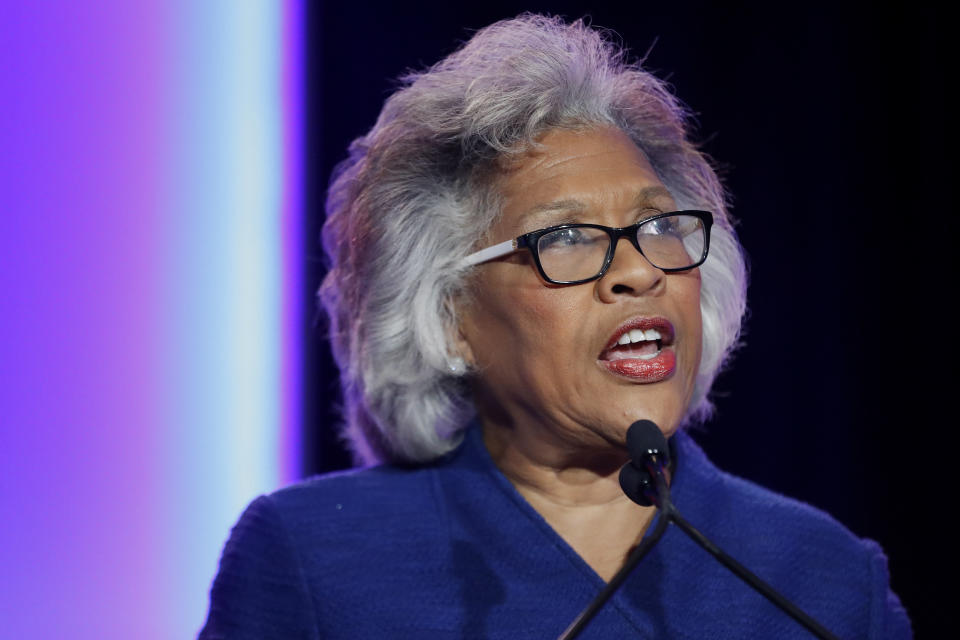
x=563, y=238
x=660, y=227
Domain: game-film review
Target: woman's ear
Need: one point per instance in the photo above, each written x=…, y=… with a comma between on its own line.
x=462, y=358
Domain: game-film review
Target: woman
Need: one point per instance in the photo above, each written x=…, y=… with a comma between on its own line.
x=527, y=255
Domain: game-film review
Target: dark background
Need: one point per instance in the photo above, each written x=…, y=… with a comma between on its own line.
x=831, y=131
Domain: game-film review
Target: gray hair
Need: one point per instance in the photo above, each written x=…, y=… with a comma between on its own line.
x=417, y=193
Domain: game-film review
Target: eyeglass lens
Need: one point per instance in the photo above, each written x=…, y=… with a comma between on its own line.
x=578, y=253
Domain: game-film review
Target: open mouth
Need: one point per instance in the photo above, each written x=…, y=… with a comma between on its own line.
x=636, y=343
x=640, y=338
x=640, y=350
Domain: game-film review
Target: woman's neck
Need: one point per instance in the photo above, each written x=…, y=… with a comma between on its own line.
x=580, y=499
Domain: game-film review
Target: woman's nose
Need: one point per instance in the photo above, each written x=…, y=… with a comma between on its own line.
x=630, y=274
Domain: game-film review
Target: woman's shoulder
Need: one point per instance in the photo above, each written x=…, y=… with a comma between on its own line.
x=371, y=491
x=751, y=510
x=355, y=503
x=326, y=534
x=803, y=551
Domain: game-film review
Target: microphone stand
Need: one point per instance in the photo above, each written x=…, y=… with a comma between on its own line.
x=670, y=513
x=659, y=495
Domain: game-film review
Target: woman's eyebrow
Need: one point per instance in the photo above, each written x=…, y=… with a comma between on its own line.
x=644, y=198
x=649, y=195
x=550, y=214
x=569, y=206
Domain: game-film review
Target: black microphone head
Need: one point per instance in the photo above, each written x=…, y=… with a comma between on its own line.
x=644, y=440
x=637, y=484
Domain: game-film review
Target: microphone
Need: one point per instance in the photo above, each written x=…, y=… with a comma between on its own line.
x=642, y=480
x=649, y=455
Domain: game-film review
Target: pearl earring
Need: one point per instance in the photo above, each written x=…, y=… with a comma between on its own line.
x=457, y=366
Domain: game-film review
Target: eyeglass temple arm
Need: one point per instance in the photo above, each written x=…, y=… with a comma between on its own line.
x=490, y=253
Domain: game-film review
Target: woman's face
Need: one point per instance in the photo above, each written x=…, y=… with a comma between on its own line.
x=546, y=367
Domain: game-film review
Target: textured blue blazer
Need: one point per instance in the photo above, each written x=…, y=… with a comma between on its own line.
x=451, y=550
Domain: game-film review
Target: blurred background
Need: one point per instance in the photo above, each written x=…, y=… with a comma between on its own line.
x=162, y=173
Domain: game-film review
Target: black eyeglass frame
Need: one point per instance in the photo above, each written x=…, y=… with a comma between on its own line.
x=529, y=241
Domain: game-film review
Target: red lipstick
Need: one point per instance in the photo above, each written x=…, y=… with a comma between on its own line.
x=641, y=358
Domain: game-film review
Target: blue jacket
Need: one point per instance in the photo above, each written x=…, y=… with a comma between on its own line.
x=451, y=550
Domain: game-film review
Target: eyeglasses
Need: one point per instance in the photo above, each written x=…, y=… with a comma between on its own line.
x=578, y=253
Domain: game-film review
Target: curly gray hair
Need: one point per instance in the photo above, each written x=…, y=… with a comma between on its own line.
x=417, y=193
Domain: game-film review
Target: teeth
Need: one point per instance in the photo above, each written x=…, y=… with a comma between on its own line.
x=639, y=335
